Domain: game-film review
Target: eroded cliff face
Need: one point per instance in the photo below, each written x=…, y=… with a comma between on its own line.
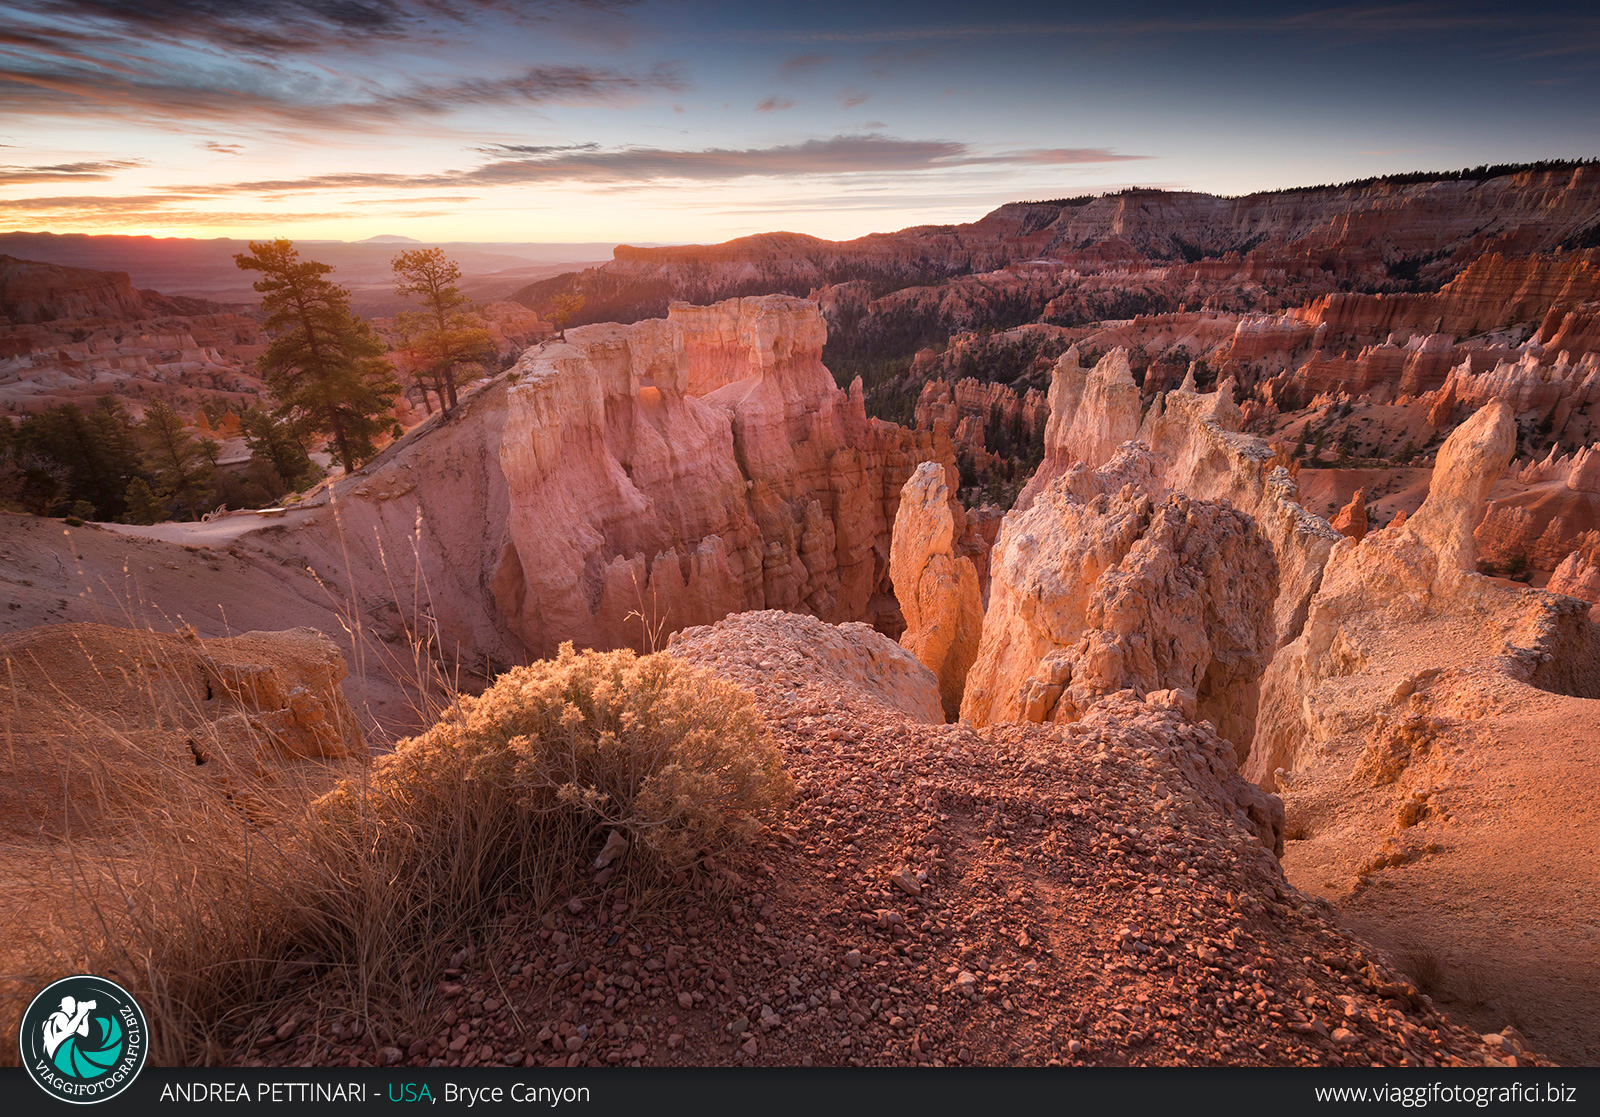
x=1100, y=587
x=937, y=587
x=1198, y=450
x=633, y=481
x=1396, y=577
x=689, y=468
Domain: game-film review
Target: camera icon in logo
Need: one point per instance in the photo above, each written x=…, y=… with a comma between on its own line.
x=83, y=1039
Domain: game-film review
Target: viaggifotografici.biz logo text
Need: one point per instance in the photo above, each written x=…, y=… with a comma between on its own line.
x=83, y=1039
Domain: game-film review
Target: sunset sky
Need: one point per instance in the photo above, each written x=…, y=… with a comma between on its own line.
x=455, y=120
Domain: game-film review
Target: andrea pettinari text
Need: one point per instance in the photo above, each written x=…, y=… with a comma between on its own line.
x=520, y=1093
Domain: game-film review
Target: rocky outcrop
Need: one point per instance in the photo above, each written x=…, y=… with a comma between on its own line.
x=1579, y=573
x=1493, y=291
x=136, y=710
x=1351, y=522
x=32, y=292
x=937, y=588
x=1099, y=588
x=1470, y=462
x=1532, y=384
x=1348, y=230
x=1092, y=413
x=1395, y=576
x=847, y=658
x=632, y=481
x=970, y=409
x=1201, y=452
x=1198, y=450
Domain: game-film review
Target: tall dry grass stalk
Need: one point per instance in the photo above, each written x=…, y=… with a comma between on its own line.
x=218, y=890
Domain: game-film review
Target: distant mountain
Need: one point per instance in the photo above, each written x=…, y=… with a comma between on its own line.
x=205, y=268
x=1382, y=234
x=389, y=238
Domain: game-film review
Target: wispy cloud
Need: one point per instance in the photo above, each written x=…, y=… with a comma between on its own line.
x=153, y=210
x=803, y=65
x=1362, y=19
x=515, y=164
x=774, y=104
x=279, y=62
x=222, y=148
x=97, y=171
x=850, y=98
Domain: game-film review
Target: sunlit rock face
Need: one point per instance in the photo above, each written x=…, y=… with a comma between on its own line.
x=670, y=472
x=1412, y=570
x=936, y=586
x=1100, y=588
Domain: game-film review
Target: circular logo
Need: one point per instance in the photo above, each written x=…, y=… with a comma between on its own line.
x=83, y=1039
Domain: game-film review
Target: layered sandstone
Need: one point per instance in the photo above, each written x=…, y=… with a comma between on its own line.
x=1579, y=573
x=631, y=481
x=32, y=292
x=937, y=588
x=1092, y=413
x=1493, y=291
x=1098, y=588
x=1391, y=577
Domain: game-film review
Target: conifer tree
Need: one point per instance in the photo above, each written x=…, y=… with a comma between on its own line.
x=181, y=463
x=277, y=452
x=443, y=334
x=144, y=507
x=323, y=364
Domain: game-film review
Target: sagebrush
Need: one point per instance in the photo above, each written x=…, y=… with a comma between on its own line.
x=217, y=917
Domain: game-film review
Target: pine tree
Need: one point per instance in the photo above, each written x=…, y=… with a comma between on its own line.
x=94, y=453
x=443, y=334
x=144, y=507
x=323, y=364
x=277, y=452
x=181, y=464
x=562, y=308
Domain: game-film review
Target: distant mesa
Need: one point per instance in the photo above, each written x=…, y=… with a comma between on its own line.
x=390, y=238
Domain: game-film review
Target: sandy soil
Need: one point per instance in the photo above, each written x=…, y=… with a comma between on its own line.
x=51, y=574
x=1070, y=909
x=1476, y=866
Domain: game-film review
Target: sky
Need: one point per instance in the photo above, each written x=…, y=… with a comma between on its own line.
x=676, y=121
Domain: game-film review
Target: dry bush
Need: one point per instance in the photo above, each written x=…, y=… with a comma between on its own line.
x=676, y=760
x=214, y=914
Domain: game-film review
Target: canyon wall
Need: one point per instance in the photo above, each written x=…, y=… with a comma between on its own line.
x=632, y=481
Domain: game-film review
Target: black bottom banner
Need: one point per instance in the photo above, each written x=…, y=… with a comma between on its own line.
x=828, y=1092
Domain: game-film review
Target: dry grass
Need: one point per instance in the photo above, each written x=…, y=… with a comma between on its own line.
x=214, y=900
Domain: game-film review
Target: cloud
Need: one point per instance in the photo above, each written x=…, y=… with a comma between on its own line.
x=589, y=163
x=324, y=105
x=850, y=98
x=774, y=104
x=97, y=171
x=142, y=209
x=1363, y=19
x=222, y=148
x=803, y=65
x=296, y=63
x=302, y=26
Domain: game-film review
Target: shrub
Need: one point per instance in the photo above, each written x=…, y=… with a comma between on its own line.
x=221, y=903
x=676, y=760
